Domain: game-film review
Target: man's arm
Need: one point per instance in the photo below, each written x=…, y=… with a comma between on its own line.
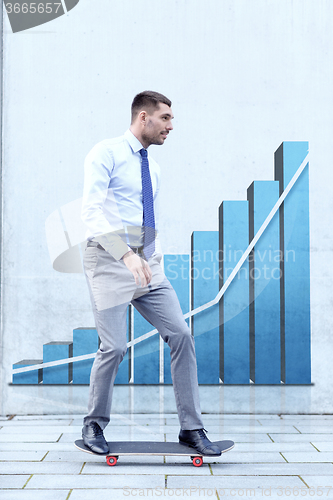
x=98, y=167
x=97, y=175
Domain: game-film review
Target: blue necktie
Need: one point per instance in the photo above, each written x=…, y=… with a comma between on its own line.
x=148, y=207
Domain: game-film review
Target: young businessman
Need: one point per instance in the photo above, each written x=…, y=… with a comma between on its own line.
x=122, y=266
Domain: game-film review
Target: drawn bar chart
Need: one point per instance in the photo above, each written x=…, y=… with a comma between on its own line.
x=204, y=287
x=31, y=377
x=58, y=374
x=146, y=354
x=85, y=340
x=264, y=282
x=234, y=306
x=244, y=290
x=177, y=270
x=295, y=265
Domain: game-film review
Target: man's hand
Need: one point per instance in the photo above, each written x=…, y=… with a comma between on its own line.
x=138, y=267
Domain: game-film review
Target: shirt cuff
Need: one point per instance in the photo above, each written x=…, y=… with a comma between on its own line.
x=113, y=244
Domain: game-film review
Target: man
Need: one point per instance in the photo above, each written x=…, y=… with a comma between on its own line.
x=122, y=265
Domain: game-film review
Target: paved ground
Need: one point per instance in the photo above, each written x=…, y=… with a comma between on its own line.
x=286, y=456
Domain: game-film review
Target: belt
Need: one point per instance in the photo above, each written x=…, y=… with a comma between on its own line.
x=136, y=250
x=94, y=244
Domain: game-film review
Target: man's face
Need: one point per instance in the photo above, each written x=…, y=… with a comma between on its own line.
x=158, y=125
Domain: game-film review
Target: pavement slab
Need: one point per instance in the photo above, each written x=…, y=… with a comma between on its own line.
x=298, y=416
x=279, y=447
x=299, y=438
x=34, y=494
x=131, y=493
x=11, y=456
x=102, y=481
x=13, y=424
x=318, y=429
x=33, y=446
x=323, y=445
x=40, y=429
x=40, y=468
x=106, y=495
x=316, y=482
x=35, y=418
x=233, y=482
x=14, y=481
x=325, y=456
x=316, y=420
x=288, y=456
x=28, y=437
x=286, y=469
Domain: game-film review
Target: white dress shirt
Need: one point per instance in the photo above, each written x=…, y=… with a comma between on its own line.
x=112, y=194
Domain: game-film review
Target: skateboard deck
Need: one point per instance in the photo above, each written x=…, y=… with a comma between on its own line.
x=118, y=448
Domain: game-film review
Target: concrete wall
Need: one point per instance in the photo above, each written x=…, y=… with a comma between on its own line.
x=243, y=75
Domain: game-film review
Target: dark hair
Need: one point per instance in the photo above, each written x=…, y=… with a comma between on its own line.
x=149, y=100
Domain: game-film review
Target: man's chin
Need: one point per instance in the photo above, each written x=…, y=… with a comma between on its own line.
x=159, y=141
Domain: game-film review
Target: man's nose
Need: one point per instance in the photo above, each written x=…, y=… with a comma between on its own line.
x=169, y=126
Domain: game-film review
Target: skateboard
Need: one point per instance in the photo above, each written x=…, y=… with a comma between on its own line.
x=118, y=448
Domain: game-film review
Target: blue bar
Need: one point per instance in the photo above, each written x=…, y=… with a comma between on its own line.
x=146, y=353
x=264, y=272
x=34, y=377
x=295, y=265
x=122, y=376
x=205, y=287
x=234, y=305
x=177, y=270
x=54, y=351
x=85, y=341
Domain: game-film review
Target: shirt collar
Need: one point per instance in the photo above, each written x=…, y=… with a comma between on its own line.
x=133, y=141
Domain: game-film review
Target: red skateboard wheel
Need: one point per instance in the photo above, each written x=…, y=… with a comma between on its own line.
x=197, y=461
x=111, y=460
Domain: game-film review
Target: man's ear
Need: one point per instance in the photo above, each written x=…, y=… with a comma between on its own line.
x=143, y=117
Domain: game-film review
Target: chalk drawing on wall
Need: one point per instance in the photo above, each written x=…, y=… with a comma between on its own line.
x=245, y=291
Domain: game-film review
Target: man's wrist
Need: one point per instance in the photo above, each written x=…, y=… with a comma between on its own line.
x=127, y=254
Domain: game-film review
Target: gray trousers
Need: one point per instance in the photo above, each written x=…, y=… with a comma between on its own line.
x=112, y=287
